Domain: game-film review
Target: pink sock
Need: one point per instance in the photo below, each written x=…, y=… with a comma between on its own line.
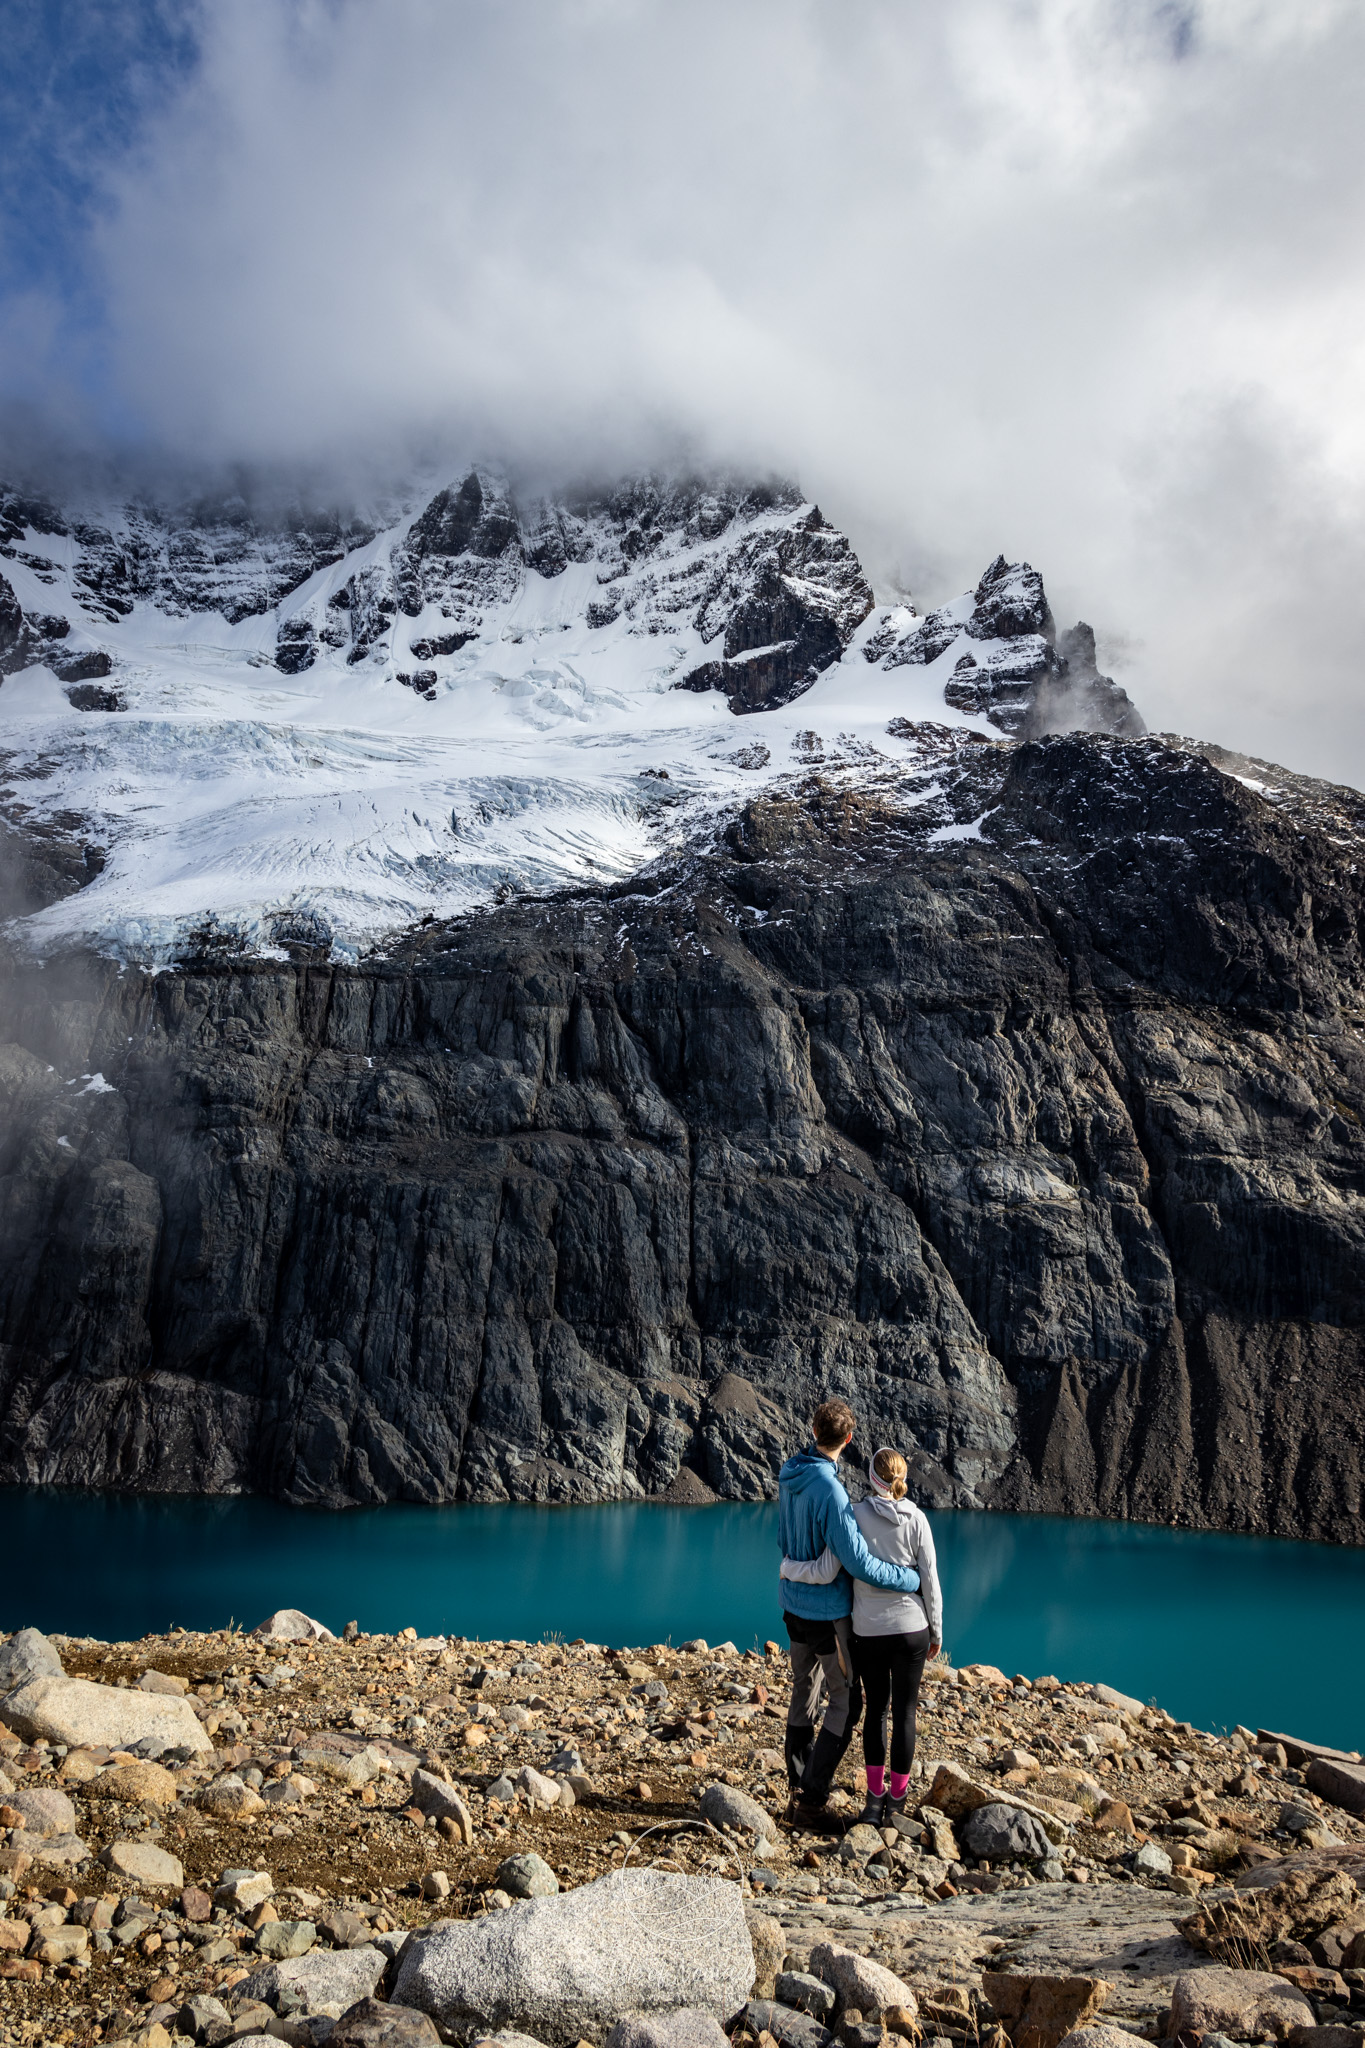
x=900, y=1781
x=876, y=1780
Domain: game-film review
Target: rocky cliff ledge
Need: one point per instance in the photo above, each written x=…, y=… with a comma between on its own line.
x=1029, y=1118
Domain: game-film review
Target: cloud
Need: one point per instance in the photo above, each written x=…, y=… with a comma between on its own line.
x=1078, y=279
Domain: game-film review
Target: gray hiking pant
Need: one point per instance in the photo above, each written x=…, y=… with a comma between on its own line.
x=822, y=1673
x=814, y=1675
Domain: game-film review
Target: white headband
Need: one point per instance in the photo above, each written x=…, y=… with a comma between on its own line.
x=882, y=1486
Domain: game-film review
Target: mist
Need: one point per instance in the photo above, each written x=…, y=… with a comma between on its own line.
x=1079, y=280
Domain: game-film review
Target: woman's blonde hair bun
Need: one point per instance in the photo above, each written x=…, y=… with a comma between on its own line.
x=891, y=1468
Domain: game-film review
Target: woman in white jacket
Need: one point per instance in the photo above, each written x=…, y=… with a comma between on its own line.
x=894, y=1634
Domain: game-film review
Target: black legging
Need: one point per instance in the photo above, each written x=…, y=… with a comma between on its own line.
x=890, y=1667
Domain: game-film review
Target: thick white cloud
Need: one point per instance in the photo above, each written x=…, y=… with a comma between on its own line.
x=1079, y=279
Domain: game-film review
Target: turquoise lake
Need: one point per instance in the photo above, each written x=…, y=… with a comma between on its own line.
x=1218, y=1629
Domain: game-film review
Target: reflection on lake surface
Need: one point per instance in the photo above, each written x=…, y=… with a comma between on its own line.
x=1219, y=1629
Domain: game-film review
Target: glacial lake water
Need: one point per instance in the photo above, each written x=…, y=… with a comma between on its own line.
x=1218, y=1629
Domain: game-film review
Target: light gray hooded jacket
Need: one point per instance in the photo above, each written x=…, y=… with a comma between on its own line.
x=898, y=1532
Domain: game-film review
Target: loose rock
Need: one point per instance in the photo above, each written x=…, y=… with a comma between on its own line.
x=373, y=2025
x=76, y=1711
x=857, y=1981
x=144, y=1863
x=327, y=1981
x=566, y=1968
x=1248, y=2004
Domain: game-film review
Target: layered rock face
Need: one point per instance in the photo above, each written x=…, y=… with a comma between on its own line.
x=1041, y=1143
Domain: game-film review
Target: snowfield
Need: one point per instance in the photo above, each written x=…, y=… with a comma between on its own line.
x=552, y=748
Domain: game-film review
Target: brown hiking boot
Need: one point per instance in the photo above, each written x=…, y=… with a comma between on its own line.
x=813, y=1817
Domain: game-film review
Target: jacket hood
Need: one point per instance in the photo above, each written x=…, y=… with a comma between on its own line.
x=807, y=1470
x=891, y=1509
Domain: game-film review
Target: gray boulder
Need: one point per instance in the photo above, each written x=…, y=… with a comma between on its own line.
x=566, y=1968
x=28, y=1654
x=46, y=1811
x=791, y=2028
x=292, y=1625
x=328, y=1981
x=1152, y=1860
x=797, y=1988
x=80, y=1713
x=1004, y=1832
x=430, y=1794
x=371, y=2024
x=526, y=1877
x=725, y=1807
x=682, y=2029
x=858, y=1981
x=200, y=2014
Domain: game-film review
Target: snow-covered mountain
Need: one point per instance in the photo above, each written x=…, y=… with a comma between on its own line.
x=240, y=734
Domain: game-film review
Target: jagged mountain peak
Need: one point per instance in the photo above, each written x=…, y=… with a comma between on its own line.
x=275, y=715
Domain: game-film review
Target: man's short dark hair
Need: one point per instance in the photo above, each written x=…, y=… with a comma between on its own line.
x=832, y=1423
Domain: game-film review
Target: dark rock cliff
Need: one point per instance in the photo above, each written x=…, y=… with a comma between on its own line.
x=1043, y=1144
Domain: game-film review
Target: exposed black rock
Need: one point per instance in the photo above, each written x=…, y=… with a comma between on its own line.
x=1010, y=601
x=90, y=697
x=11, y=620
x=1046, y=1148
x=787, y=604
x=296, y=646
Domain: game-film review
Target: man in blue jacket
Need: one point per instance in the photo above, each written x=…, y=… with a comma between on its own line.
x=813, y=1514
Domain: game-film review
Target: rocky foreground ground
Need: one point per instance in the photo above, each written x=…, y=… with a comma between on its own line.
x=388, y=1840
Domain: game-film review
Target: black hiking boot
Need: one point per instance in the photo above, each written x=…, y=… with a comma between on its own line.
x=873, y=1814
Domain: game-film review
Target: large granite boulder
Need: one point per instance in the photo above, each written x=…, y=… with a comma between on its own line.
x=78, y=1712
x=566, y=1968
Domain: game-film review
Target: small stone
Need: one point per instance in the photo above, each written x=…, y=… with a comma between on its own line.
x=61, y=1944
x=784, y=2025
x=371, y=2024
x=1152, y=1860
x=240, y=1890
x=42, y=1811
x=1001, y=1833
x=474, y=1736
x=130, y=1784
x=161, y=1682
x=642, y=1790
x=325, y=1981
x=200, y=2015
x=144, y=1863
x=1247, y=2004
x=679, y=2029
x=1115, y=1816
x=860, y=1982
x=526, y=1877
x=436, y=1885
x=286, y=1938
x=502, y=1789
x=544, y=1791
x=860, y=1842
x=27, y=1654
x=806, y=1993
x=725, y=1807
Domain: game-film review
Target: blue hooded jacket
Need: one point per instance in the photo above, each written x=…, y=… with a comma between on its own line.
x=812, y=1512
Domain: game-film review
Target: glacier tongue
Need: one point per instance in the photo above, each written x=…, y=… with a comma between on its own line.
x=324, y=735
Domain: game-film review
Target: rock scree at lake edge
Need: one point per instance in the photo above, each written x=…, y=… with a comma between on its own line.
x=333, y=1897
